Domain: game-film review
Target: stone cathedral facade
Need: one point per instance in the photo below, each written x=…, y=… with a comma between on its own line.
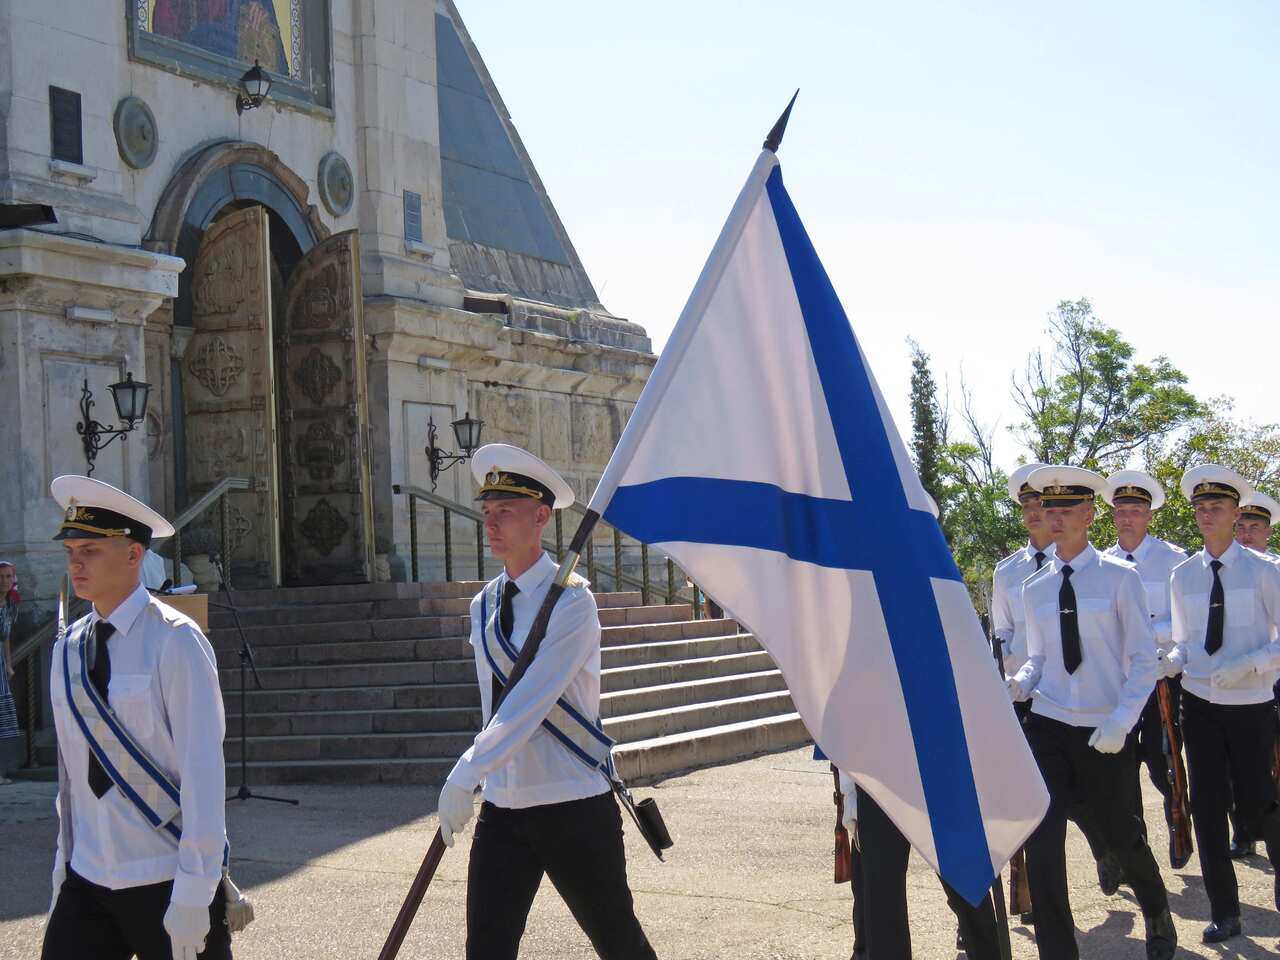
x=306, y=285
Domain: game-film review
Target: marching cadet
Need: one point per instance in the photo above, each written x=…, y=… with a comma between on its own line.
x=1226, y=605
x=1008, y=621
x=1091, y=667
x=1008, y=624
x=1253, y=530
x=142, y=842
x=1134, y=498
x=547, y=803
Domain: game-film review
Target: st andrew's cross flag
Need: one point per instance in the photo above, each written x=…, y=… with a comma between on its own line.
x=761, y=457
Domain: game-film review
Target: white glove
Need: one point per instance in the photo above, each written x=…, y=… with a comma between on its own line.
x=59, y=875
x=1166, y=665
x=1109, y=737
x=187, y=927
x=456, y=809
x=849, y=815
x=1016, y=693
x=1232, y=672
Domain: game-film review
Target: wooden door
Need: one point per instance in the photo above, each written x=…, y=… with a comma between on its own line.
x=325, y=488
x=228, y=395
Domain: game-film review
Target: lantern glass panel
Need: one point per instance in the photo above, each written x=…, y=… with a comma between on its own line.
x=467, y=432
x=130, y=398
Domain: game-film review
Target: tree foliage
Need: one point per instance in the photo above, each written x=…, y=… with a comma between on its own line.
x=928, y=426
x=1086, y=401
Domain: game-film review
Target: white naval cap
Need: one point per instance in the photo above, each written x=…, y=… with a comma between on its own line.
x=1211, y=480
x=1018, y=486
x=93, y=509
x=1259, y=505
x=505, y=472
x=1062, y=486
x=1129, y=485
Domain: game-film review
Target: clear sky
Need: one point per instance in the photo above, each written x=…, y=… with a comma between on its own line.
x=960, y=167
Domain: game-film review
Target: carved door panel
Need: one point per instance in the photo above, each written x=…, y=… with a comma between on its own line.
x=325, y=487
x=228, y=396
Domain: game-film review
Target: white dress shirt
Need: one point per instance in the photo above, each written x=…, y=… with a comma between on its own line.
x=1155, y=560
x=1251, y=590
x=521, y=763
x=164, y=690
x=1117, y=671
x=1008, y=620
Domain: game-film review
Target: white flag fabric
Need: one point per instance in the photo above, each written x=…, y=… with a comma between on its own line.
x=761, y=457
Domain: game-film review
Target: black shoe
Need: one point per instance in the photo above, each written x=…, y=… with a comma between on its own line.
x=1026, y=919
x=1109, y=874
x=1221, y=930
x=1240, y=849
x=1162, y=939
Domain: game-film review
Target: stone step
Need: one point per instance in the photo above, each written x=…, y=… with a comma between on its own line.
x=391, y=673
x=668, y=651
x=646, y=760
x=419, y=627
x=374, y=746
x=672, y=695
x=698, y=716
x=656, y=674
x=343, y=593
x=350, y=652
x=333, y=699
x=415, y=771
x=357, y=722
x=398, y=607
x=611, y=636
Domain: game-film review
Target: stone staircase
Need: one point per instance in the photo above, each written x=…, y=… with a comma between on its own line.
x=376, y=683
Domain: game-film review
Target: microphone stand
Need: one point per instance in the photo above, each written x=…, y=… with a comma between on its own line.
x=246, y=663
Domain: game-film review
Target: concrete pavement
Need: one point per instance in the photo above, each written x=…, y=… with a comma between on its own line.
x=750, y=877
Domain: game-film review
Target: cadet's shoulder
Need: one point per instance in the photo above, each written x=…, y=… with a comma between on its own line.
x=1186, y=567
x=1039, y=577
x=179, y=627
x=1116, y=566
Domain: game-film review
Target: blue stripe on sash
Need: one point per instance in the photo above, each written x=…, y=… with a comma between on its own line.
x=551, y=727
x=123, y=736
x=562, y=703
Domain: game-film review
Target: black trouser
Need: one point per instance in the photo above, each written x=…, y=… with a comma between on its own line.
x=859, y=904
x=578, y=844
x=1229, y=753
x=884, y=893
x=1082, y=783
x=91, y=922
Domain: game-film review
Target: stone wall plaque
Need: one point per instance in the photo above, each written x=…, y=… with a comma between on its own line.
x=137, y=137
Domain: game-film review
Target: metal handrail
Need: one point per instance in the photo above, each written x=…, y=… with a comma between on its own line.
x=555, y=543
x=207, y=500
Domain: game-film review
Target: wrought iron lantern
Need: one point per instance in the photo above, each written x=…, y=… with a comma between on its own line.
x=130, y=397
x=255, y=85
x=466, y=431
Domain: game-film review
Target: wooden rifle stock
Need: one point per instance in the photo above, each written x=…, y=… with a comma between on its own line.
x=843, y=857
x=537, y=633
x=1180, y=806
x=1019, y=885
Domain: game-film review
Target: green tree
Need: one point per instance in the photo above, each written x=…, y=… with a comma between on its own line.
x=1087, y=402
x=928, y=427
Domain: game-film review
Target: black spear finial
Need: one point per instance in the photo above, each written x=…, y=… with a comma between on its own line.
x=774, y=140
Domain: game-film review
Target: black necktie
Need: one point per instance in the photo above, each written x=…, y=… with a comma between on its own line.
x=100, y=677
x=1039, y=559
x=506, y=623
x=1129, y=557
x=1217, y=612
x=1069, y=622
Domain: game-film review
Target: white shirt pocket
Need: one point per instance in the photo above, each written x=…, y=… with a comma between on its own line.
x=1240, y=607
x=1098, y=614
x=1157, y=598
x=131, y=702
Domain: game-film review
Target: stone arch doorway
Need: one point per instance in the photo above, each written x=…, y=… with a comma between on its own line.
x=272, y=377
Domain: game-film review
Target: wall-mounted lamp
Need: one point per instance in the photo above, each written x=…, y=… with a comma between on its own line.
x=254, y=87
x=130, y=398
x=466, y=431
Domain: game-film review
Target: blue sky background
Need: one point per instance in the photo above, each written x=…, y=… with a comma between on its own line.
x=960, y=167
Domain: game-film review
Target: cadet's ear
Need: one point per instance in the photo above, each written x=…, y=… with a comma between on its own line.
x=136, y=552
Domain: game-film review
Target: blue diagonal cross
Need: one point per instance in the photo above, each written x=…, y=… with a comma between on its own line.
x=876, y=531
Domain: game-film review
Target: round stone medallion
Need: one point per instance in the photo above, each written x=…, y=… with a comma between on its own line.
x=337, y=185
x=136, y=135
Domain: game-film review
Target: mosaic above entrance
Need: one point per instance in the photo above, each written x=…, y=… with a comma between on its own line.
x=219, y=38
